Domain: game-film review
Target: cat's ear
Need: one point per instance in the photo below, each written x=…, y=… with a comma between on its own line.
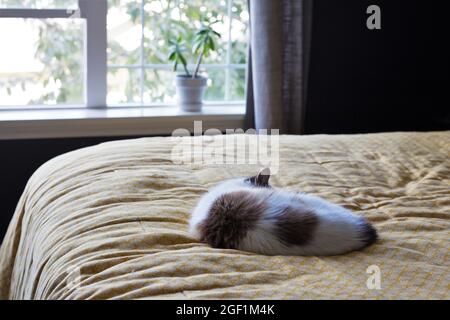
x=262, y=178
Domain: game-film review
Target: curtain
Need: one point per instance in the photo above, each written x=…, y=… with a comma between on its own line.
x=278, y=64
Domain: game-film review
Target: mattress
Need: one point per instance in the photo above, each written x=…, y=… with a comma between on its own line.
x=110, y=222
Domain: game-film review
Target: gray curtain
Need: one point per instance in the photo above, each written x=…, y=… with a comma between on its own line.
x=278, y=64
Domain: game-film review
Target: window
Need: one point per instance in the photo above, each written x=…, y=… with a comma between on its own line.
x=114, y=52
x=34, y=71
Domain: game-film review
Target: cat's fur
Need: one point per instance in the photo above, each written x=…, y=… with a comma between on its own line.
x=248, y=214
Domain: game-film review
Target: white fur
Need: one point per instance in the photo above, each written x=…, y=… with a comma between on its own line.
x=338, y=230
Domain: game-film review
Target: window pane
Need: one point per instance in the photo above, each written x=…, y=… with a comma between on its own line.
x=238, y=84
x=159, y=86
x=239, y=31
x=162, y=21
x=216, y=85
x=165, y=20
x=39, y=4
x=45, y=66
x=124, y=86
x=124, y=32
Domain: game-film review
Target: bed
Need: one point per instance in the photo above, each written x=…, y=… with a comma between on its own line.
x=110, y=222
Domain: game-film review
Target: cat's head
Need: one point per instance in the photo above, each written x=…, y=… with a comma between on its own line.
x=261, y=180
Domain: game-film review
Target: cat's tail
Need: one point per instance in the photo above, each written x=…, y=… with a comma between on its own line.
x=368, y=233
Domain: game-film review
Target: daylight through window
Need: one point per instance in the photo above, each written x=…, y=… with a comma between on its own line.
x=43, y=61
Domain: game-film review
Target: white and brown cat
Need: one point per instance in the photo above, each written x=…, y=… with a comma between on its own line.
x=248, y=214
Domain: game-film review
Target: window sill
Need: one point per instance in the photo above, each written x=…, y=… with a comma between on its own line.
x=65, y=123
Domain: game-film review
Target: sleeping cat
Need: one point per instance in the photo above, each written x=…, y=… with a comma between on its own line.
x=248, y=214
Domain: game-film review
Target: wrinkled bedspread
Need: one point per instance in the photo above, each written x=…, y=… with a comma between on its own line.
x=110, y=222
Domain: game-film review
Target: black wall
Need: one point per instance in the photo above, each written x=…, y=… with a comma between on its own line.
x=360, y=81
x=365, y=80
x=20, y=158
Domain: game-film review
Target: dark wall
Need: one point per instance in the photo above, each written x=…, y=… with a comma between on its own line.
x=20, y=158
x=365, y=80
x=360, y=81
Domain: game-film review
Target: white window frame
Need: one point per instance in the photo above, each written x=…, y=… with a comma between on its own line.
x=94, y=12
x=93, y=118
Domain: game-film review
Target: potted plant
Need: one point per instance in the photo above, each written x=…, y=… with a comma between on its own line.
x=191, y=86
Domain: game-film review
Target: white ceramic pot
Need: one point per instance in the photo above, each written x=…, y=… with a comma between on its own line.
x=190, y=92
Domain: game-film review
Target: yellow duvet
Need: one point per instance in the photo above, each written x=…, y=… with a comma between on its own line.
x=110, y=222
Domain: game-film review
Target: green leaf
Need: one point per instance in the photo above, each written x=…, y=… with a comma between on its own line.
x=197, y=46
x=211, y=44
x=202, y=31
x=183, y=60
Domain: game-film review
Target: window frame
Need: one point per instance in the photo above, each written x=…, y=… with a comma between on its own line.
x=95, y=61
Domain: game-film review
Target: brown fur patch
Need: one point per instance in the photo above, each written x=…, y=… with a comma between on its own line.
x=229, y=219
x=296, y=227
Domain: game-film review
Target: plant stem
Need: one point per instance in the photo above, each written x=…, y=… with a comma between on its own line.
x=186, y=70
x=199, y=61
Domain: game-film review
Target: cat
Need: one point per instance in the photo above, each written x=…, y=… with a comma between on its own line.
x=249, y=214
